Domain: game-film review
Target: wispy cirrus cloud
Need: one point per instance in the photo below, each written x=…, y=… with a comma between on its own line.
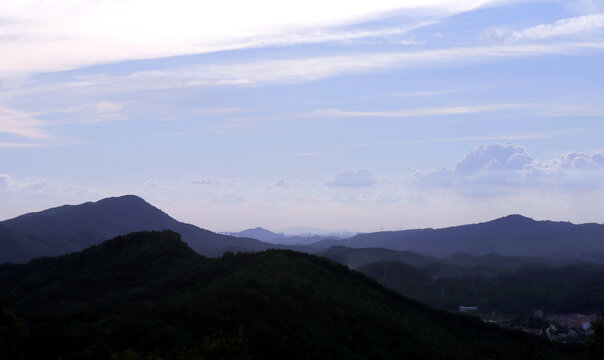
x=299, y=70
x=94, y=112
x=511, y=137
x=96, y=32
x=34, y=132
x=314, y=68
x=13, y=145
x=564, y=27
x=222, y=111
x=22, y=124
x=453, y=110
x=537, y=109
x=423, y=93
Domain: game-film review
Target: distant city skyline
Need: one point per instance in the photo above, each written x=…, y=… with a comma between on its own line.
x=343, y=116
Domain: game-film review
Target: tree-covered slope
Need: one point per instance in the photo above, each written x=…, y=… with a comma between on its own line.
x=149, y=293
x=555, y=290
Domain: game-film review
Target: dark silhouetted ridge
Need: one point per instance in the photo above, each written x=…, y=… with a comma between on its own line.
x=513, y=235
x=71, y=228
x=110, y=215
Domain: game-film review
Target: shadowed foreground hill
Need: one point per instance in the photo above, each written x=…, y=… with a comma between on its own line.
x=69, y=228
x=148, y=293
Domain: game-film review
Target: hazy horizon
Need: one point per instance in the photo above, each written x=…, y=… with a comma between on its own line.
x=341, y=115
x=309, y=230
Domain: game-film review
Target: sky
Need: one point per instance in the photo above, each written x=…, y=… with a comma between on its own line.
x=341, y=115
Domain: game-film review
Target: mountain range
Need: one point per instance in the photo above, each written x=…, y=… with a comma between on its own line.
x=280, y=238
x=71, y=228
x=513, y=235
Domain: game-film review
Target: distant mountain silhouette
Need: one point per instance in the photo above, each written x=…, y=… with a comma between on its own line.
x=259, y=233
x=274, y=238
x=71, y=228
x=513, y=235
x=147, y=295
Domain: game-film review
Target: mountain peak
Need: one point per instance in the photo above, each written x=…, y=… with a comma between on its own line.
x=123, y=200
x=257, y=233
x=514, y=219
x=75, y=227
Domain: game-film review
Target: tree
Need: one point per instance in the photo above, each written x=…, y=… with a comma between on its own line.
x=12, y=333
x=595, y=346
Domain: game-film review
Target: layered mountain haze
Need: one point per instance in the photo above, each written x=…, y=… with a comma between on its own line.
x=513, y=235
x=356, y=258
x=281, y=238
x=71, y=228
x=260, y=234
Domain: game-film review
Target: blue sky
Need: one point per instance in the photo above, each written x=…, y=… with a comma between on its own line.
x=338, y=115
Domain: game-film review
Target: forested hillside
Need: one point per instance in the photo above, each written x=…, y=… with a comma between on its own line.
x=149, y=294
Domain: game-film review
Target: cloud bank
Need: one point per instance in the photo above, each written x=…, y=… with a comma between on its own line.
x=509, y=165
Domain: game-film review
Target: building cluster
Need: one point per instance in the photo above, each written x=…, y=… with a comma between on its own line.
x=557, y=327
x=573, y=321
x=563, y=328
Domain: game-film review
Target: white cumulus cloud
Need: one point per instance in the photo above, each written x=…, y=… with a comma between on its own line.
x=498, y=166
